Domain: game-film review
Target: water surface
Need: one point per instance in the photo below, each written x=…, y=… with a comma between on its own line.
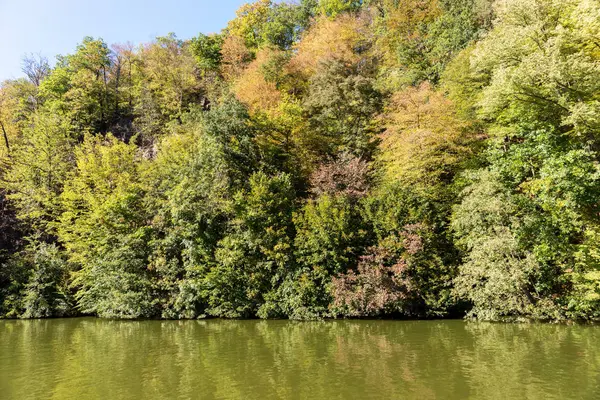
x=89, y=358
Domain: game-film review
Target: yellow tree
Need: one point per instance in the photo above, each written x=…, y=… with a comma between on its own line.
x=267, y=88
x=347, y=39
x=167, y=81
x=425, y=140
x=38, y=169
x=18, y=100
x=6, y=122
x=235, y=57
x=249, y=19
x=255, y=88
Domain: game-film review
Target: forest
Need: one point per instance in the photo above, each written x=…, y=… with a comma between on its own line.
x=316, y=159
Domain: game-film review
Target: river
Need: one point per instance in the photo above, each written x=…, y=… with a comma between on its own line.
x=87, y=358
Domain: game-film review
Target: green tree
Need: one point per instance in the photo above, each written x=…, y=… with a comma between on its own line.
x=341, y=105
x=231, y=127
x=330, y=238
x=207, y=51
x=189, y=190
x=501, y=276
x=542, y=162
x=254, y=258
x=197, y=171
x=79, y=87
x=46, y=293
x=268, y=23
x=105, y=232
x=416, y=39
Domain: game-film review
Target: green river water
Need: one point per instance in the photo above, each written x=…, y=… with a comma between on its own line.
x=86, y=358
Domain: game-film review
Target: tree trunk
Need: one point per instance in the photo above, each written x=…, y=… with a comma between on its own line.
x=5, y=137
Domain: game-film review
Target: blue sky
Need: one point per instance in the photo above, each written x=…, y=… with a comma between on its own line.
x=52, y=27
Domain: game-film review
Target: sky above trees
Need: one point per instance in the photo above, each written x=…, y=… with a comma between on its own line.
x=55, y=27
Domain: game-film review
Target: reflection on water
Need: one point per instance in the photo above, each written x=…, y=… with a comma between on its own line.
x=215, y=359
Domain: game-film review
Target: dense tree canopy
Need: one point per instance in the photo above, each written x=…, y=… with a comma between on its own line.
x=419, y=158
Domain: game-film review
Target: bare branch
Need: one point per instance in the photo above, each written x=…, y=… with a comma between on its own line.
x=36, y=68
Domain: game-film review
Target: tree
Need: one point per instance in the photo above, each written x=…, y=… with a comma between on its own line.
x=332, y=8
x=230, y=126
x=425, y=142
x=167, y=84
x=18, y=101
x=79, y=87
x=38, y=170
x=250, y=18
x=376, y=288
x=342, y=103
x=46, y=292
x=103, y=228
x=284, y=26
x=346, y=39
x=122, y=83
x=207, y=51
x=235, y=57
x=267, y=23
x=258, y=89
x=410, y=225
x=416, y=39
x=254, y=258
x=330, y=238
x=542, y=173
x=36, y=68
x=347, y=175
x=189, y=192
x=501, y=276
x=540, y=65
x=12, y=276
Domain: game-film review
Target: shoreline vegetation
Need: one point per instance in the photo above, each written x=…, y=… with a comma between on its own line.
x=381, y=318
x=314, y=160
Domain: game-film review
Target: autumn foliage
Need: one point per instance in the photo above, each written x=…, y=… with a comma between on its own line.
x=314, y=159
